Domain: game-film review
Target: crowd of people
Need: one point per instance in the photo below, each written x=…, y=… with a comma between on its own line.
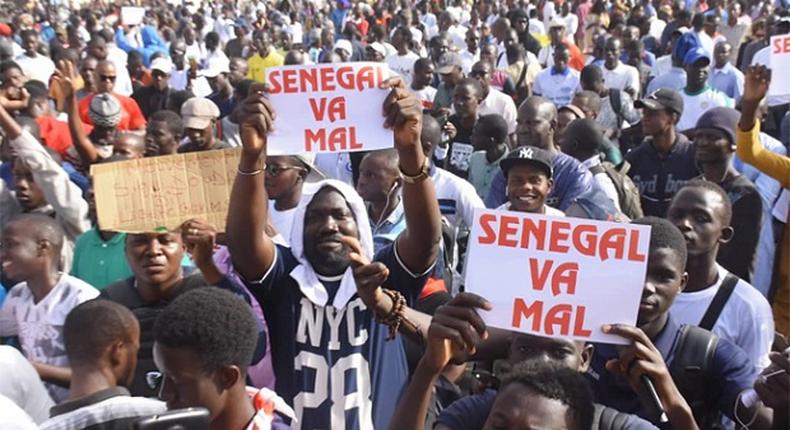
x=334, y=297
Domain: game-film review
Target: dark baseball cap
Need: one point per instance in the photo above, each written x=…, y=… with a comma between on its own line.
x=447, y=62
x=662, y=98
x=528, y=155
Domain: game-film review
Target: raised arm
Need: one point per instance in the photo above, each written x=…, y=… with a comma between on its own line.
x=251, y=249
x=418, y=245
x=756, y=82
x=85, y=149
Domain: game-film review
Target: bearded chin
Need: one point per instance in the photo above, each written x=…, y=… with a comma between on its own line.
x=329, y=263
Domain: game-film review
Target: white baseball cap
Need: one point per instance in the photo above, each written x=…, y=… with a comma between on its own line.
x=162, y=64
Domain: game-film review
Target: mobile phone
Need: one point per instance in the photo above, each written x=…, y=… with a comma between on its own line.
x=179, y=419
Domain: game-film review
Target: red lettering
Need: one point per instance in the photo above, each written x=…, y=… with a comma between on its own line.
x=531, y=229
x=489, y=235
x=585, y=243
x=559, y=233
x=345, y=77
x=308, y=76
x=319, y=110
x=327, y=79
x=578, y=326
x=521, y=310
x=612, y=239
x=508, y=226
x=337, y=139
x=777, y=46
x=366, y=78
x=311, y=138
x=290, y=79
x=558, y=315
x=539, y=276
x=274, y=82
x=337, y=109
x=353, y=143
x=565, y=275
x=786, y=44
x=633, y=244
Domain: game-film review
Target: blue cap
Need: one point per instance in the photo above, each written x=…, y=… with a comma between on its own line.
x=686, y=43
x=240, y=22
x=695, y=55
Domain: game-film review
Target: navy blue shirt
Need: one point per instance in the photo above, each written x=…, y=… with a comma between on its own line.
x=660, y=176
x=334, y=366
x=571, y=178
x=471, y=413
x=731, y=373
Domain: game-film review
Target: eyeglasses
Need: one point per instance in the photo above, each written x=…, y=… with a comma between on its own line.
x=107, y=78
x=153, y=379
x=275, y=170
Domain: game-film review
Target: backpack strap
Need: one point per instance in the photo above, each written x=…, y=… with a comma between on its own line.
x=615, y=99
x=719, y=300
x=596, y=169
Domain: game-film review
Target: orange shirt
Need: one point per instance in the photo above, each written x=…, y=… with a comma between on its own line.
x=131, y=116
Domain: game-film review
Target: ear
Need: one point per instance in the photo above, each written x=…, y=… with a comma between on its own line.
x=228, y=376
x=42, y=247
x=551, y=185
x=116, y=354
x=684, y=280
x=586, y=356
x=726, y=234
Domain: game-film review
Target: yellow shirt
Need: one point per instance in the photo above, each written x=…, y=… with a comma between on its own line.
x=258, y=65
x=751, y=151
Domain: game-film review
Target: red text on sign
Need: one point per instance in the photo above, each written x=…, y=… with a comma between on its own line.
x=558, y=320
x=338, y=139
x=781, y=45
x=334, y=109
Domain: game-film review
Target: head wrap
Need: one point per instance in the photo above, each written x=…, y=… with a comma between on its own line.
x=309, y=282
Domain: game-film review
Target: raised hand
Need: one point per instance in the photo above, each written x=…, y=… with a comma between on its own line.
x=403, y=114
x=255, y=117
x=66, y=76
x=456, y=329
x=757, y=79
x=199, y=238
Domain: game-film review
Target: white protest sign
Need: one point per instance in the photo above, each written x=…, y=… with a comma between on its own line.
x=779, y=61
x=328, y=108
x=555, y=276
x=132, y=15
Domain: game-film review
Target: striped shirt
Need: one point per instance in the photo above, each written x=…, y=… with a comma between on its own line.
x=111, y=408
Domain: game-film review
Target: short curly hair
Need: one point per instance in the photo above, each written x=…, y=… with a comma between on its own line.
x=556, y=382
x=214, y=323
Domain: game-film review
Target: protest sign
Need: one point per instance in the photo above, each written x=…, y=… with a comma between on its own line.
x=555, y=276
x=328, y=108
x=149, y=194
x=132, y=15
x=779, y=62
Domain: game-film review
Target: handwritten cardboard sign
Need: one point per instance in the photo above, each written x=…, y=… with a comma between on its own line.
x=148, y=194
x=554, y=276
x=779, y=61
x=328, y=108
x=132, y=15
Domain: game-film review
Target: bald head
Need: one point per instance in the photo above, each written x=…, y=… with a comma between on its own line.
x=537, y=121
x=40, y=228
x=130, y=144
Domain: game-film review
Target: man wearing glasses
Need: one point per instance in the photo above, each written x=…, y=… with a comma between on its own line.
x=288, y=179
x=131, y=115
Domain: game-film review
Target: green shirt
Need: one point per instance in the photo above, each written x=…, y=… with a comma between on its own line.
x=100, y=263
x=481, y=172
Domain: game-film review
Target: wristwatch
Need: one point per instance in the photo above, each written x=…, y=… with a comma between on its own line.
x=419, y=177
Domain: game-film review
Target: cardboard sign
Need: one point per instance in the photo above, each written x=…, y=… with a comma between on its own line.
x=149, y=194
x=328, y=108
x=132, y=15
x=555, y=276
x=779, y=61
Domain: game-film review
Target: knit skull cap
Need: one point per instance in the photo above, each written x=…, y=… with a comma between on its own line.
x=720, y=118
x=105, y=110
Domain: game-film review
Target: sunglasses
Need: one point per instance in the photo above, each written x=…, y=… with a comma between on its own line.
x=107, y=78
x=153, y=379
x=275, y=170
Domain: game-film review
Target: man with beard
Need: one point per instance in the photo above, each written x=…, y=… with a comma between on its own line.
x=102, y=339
x=320, y=285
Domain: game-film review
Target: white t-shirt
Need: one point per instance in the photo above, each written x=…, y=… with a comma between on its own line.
x=457, y=197
x=746, y=319
x=603, y=180
x=621, y=77
x=547, y=210
x=40, y=325
x=39, y=67
x=558, y=87
x=468, y=60
x=403, y=65
x=425, y=96
x=13, y=417
x=501, y=104
x=20, y=383
x=282, y=220
x=694, y=105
